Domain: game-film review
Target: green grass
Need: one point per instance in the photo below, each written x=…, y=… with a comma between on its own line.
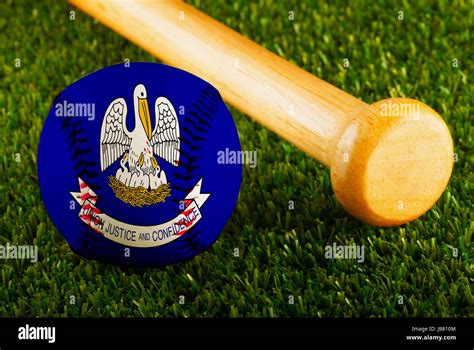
x=281, y=250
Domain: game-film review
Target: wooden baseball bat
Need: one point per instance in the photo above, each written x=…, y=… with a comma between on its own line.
x=390, y=161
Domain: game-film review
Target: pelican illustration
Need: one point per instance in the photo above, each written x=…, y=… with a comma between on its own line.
x=139, y=147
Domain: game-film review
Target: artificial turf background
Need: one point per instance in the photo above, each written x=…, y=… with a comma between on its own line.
x=281, y=250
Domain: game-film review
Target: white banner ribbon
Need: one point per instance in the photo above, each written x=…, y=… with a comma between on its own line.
x=140, y=236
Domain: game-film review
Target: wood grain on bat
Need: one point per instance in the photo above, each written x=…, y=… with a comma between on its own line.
x=386, y=168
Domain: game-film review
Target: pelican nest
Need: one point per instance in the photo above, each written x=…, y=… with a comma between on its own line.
x=139, y=196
